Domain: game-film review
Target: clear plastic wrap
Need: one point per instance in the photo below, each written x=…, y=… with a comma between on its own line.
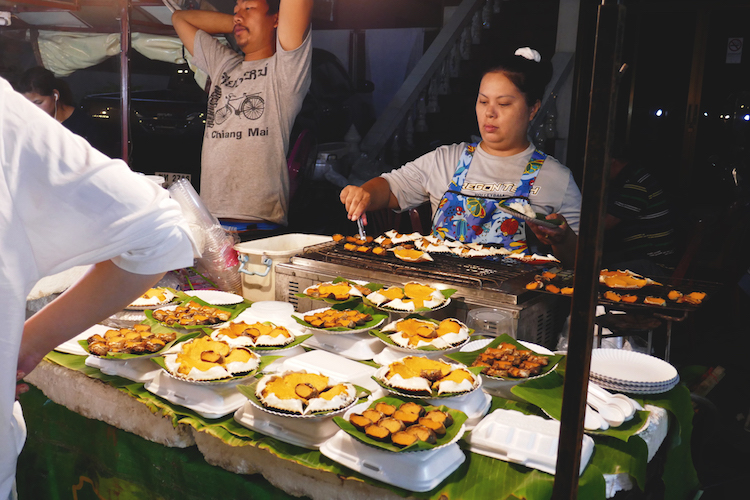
x=218, y=259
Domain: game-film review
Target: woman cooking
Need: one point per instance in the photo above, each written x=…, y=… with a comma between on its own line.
x=465, y=183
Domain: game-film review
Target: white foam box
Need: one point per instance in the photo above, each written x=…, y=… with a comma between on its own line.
x=415, y=471
x=135, y=369
x=211, y=402
x=261, y=256
x=300, y=431
x=528, y=440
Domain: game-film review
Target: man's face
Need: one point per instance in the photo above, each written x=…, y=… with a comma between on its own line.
x=254, y=29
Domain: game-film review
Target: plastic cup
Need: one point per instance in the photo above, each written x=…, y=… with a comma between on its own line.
x=490, y=322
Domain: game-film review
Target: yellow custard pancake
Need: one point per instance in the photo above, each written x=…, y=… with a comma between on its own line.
x=341, y=290
x=624, y=279
x=412, y=297
x=265, y=334
x=205, y=359
x=422, y=375
x=302, y=392
x=413, y=333
x=153, y=297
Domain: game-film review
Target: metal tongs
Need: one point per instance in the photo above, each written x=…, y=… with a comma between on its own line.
x=361, y=228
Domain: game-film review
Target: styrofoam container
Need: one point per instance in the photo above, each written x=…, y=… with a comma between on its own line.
x=358, y=346
x=259, y=259
x=277, y=312
x=528, y=440
x=308, y=433
x=135, y=369
x=474, y=404
x=208, y=402
x=415, y=471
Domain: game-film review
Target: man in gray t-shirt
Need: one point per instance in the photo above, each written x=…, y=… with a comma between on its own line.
x=253, y=100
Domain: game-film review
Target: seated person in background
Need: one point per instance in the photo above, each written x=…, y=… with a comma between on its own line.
x=51, y=94
x=465, y=182
x=639, y=228
x=253, y=101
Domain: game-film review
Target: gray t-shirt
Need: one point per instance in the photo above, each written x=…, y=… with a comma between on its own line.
x=251, y=109
x=428, y=177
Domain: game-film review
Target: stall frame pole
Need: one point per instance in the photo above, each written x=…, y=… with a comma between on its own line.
x=125, y=10
x=599, y=138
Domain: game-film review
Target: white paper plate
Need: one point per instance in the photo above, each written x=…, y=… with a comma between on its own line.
x=126, y=319
x=73, y=347
x=657, y=389
x=143, y=307
x=329, y=331
x=420, y=351
x=298, y=416
x=631, y=367
x=216, y=297
x=436, y=400
x=232, y=381
x=475, y=345
x=385, y=308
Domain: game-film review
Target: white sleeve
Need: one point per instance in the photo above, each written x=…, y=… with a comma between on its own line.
x=422, y=179
x=77, y=206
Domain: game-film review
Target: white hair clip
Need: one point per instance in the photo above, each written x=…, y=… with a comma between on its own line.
x=529, y=53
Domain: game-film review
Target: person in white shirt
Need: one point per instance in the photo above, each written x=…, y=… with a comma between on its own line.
x=64, y=204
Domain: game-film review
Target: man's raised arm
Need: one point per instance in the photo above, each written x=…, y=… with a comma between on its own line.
x=294, y=21
x=187, y=22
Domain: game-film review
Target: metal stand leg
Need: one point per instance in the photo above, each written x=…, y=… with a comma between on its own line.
x=669, y=340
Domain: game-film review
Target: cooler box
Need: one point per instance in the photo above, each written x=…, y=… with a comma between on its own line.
x=258, y=261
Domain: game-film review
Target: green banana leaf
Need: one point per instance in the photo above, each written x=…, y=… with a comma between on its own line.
x=459, y=418
x=377, y=318
x=156, y=328
x=468, y=357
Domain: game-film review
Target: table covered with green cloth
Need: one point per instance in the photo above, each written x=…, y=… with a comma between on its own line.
x=93, y=435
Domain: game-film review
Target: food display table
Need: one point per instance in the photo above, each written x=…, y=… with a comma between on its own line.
x=106, y=435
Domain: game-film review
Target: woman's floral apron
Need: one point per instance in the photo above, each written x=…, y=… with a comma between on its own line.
x=477, y=219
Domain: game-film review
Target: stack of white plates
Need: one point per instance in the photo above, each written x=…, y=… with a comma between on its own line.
x=632, y=372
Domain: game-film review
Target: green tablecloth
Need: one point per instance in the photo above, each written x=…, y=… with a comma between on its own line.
x=67, y=452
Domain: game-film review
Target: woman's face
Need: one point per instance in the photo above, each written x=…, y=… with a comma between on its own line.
x=46, y=103
x=503, y=116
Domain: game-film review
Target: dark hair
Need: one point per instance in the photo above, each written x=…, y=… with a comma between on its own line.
x=529, y=76
x=273, y=6
x=42, y=81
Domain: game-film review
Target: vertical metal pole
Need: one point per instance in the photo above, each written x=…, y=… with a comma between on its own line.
x=125, y=9
x=602, y=104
